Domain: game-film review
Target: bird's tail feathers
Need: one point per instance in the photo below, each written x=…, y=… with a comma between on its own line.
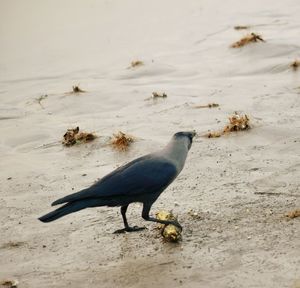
x=75, y=206
x=63, y=211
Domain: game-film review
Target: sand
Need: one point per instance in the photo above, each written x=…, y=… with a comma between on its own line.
x=240, y=185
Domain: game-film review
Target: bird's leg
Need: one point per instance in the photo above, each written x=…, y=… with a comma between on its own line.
x=145, y=215
x=127, y=227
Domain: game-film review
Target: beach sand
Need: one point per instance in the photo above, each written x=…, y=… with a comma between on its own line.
x=233, y=194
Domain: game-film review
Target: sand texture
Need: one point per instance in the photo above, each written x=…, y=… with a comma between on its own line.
x=235, y=190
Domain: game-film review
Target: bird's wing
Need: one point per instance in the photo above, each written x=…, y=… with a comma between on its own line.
x=144, y=175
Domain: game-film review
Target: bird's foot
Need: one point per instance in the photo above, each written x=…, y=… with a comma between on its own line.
x=129, y=229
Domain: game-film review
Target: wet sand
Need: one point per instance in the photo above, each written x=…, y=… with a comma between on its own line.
x=240, y=185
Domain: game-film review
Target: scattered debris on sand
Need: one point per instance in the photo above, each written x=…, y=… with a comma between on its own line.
x=40, y=99
x=214, y=134
x=237, y=122
x=251, y=38
x=209, y=105
x=136, y=63
x=77, y=89
x=194, y=215
x=171, y=233
x=156, y=95
x=73, y=136
x=241, y=27
x=295, y=65
x=159, y=95
x=12, y=244
x=9, y=283
x=293, y=214
x=121, y=141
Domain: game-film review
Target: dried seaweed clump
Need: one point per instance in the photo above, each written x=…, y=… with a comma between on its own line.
x=121, y=141
x=159, y=95
x=216, y=134
x=295, y=65
x=9, y=283
x=210, y=105
x=251, y=38
x=73, y=136
x=171, y=233
x=293, y=214
x=241, y=27
x=237, y=122
x=136, y=63
x=77, y=89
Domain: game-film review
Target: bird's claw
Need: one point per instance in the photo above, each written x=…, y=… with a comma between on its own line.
x=176, y=223
x=129, y=229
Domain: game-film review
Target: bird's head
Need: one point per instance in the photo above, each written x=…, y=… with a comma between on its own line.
x=185, y=136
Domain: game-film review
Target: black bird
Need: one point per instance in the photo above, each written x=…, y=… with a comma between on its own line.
x=141, y=180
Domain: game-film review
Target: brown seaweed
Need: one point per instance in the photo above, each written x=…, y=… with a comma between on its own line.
x=159, y=95
x=73, y=136
x=121, y=141
x=251, y=38
x=241, y=27
x=237, y=122
x=12, y=244
x=293, y=214
x=209, y=105
x=295, y=65
x=136, y=63
x=77, y=89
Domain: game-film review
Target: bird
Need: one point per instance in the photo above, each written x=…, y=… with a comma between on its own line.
x=141, y=180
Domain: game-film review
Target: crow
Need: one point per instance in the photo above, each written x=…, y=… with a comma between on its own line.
x=141, y=180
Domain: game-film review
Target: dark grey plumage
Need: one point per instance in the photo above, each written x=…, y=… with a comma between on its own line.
x=141, y=180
